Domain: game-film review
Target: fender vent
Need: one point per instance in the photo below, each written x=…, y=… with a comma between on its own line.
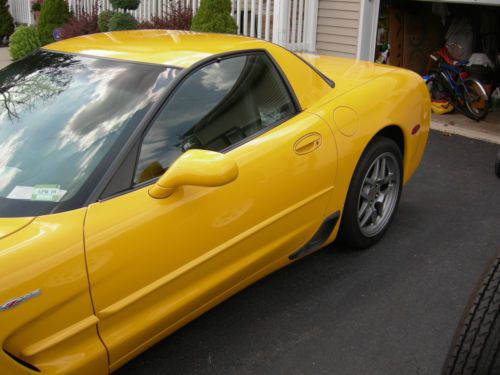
x=21, y=362
x=319, y=237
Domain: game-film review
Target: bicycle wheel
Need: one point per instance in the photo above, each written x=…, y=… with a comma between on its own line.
x=439, y=88
x=475, y=98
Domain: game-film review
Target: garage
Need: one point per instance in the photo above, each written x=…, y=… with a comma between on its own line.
x=408, y=32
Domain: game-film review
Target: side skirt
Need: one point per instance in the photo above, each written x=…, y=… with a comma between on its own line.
x=319, y=238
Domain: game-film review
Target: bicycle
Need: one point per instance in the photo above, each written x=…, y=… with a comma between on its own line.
x=452, y=83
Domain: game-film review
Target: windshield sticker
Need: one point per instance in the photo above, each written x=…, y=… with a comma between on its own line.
x=21, y=192
x=46, y=193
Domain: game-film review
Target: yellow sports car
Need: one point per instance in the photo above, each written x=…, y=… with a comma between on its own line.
x=146, y=176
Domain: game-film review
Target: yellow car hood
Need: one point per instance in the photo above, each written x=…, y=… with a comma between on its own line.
x=12, y=225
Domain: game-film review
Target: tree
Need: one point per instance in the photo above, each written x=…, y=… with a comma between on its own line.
x=214, y=16
x=54, y=14
x=103, y=20
x=122, y=21
x=6, y=21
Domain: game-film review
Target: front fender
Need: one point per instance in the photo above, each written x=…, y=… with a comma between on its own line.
x=47, y=323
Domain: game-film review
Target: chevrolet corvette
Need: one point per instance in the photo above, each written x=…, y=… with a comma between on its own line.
x=146, y=176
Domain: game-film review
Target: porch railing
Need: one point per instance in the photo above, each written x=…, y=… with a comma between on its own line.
x=290, y=23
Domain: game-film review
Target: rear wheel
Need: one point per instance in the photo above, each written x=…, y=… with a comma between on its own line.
x=439, y=88
x=476, y=99
x=374, y=194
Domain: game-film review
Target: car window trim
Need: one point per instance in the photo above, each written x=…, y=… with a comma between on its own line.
x=129, y=144
x=142, y=129
x=327, y=80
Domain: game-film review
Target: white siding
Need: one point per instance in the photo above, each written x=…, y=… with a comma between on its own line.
x=338, y=25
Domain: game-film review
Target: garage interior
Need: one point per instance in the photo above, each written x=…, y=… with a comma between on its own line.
x=409, y=31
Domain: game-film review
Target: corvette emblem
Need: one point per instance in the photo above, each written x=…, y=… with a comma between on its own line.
x=16, y=301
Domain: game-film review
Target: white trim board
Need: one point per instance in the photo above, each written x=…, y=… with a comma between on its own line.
x=367, y=35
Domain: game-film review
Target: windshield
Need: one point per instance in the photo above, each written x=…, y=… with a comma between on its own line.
x=61, y=116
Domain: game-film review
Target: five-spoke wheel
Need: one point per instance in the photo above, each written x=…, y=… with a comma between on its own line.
x=373, y=194
x=379, y=194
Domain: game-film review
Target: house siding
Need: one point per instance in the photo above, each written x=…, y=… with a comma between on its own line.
x=338, y=25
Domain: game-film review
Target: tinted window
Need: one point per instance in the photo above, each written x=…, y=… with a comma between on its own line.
x=60, y=115
x=216, y=107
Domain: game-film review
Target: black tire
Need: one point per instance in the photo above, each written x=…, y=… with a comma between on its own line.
x=350, y=231
x=475, y=348
x=497, y=165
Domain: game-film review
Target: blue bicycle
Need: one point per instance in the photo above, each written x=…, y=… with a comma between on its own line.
x=451, y=82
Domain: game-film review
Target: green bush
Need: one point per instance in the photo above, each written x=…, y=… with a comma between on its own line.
x=24, y=41
x=122, y=21
x=214, y=16
x=125, y=4
x=54, y=14
x=6, y=21
x=103, y=20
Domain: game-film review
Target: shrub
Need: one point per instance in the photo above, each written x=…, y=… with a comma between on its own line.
x=36, y=5
x=122, y=21
x=24, y=41
x=103, y=20
x=214, y=16
x=177, y=17
x=126, y=4
x=81, y=23
x=6, y=21
x=54, y=14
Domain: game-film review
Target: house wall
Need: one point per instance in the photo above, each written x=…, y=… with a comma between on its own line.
x=338, y=27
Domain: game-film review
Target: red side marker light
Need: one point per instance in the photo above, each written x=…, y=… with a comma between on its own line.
x=415, y=129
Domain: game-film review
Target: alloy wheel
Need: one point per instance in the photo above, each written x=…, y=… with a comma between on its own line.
x=379, y=194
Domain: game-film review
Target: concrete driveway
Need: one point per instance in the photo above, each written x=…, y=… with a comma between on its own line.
x=390, y=310
x=4, y=57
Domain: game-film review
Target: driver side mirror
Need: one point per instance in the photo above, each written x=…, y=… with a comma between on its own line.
x=197, y=168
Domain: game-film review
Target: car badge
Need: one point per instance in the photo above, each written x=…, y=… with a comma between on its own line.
x=17, y=301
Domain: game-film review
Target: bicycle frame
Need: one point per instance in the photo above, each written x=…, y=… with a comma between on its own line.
x=448, y=71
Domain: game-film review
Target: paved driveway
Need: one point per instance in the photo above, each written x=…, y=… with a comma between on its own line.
x=4, y=57
x=389, y=310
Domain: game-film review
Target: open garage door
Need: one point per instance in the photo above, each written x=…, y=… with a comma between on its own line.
x=477, y=2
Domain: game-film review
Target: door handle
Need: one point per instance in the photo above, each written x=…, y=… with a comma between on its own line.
x=308, y=143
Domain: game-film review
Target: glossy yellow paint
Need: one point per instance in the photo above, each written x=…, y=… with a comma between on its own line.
x=196, y=168
x=152, y=265
x=47, y=331
x=9, y=226
x=181, y=252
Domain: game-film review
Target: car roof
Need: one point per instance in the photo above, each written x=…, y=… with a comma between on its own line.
x=166, y=47
x=182, y=49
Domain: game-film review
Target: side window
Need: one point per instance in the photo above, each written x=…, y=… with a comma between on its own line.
x=213, y=108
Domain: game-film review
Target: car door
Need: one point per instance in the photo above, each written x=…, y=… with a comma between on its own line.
x=155, y=263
